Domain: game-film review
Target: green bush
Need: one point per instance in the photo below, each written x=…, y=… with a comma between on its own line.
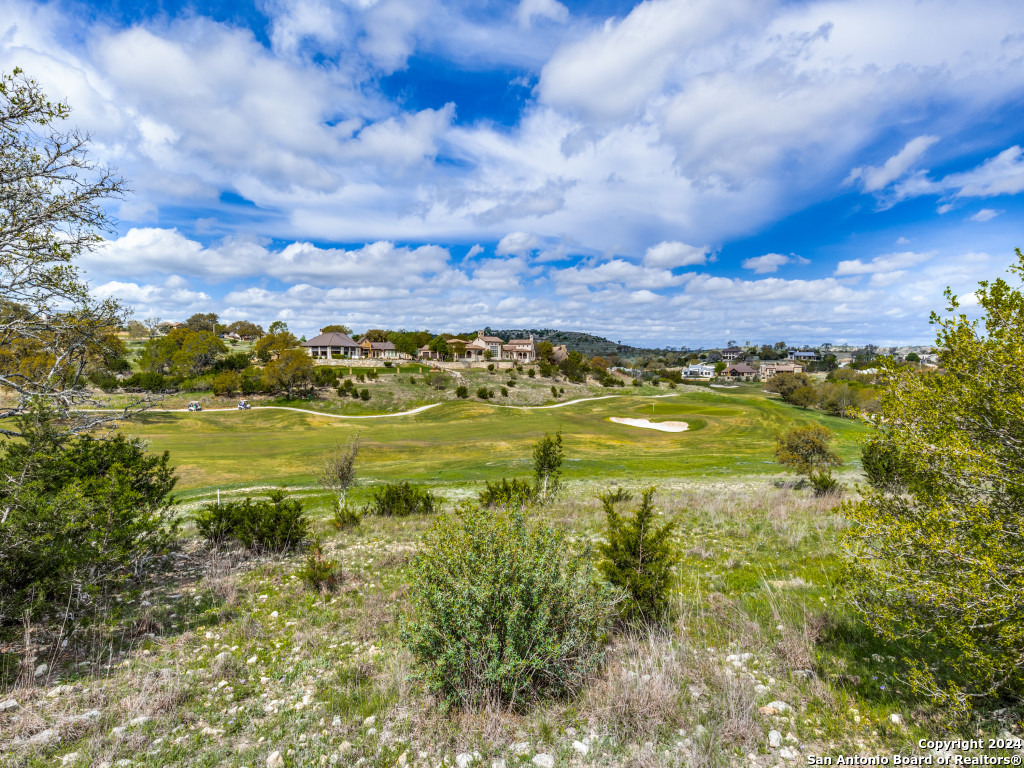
x=265, y=525
x=325, y=376
x=82, y=515
x=319, y=573
x=345, y=517
x=402, y=499
x=505, y=613
x=508, y=494
x=461, y=392
x=504, y=391
x=483, y=393
x=638, y=557
x=364, y=395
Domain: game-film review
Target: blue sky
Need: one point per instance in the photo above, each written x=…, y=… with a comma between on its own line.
x=676, y=172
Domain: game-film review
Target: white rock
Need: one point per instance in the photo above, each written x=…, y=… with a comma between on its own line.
x=273, y=615
x=463, y=759
x=55, y=692
x=275, y=760
x=252, y=659
x=45, y=737
x=42, y=669
x=222, y=656
x=403, y=758
x=70, y=757
x=9, y=704
x=760, y=688
x=520, y=748
x=543, y=760
x=791, y=738
x=580, y=747
x=774, y=739
x=781, y=706
x=139, y=720
x=498, y=762
x=789, y=753
x=371, y=720
x=894, y=718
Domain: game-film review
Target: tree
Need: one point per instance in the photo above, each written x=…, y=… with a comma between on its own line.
x=273, y=344
x=338, y=472
x=807, y=450
x=227, y=383
x=376, y=335
x=52, y=197
x=574, y=367
x=337, y=328
x=291, y=369
x=278, y=326
x=719, y=367
x=547, y=465
x=637, y=557
x=182, y=351
x=137, y=330
x=936, y=546
x=77, y=515
x=913, y=357
x=439, y=346
x=804, y=396
x=202, y=322
x=546, y=352
x=786, y=384
x=245, y=330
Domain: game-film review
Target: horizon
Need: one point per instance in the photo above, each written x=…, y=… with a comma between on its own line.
x=666, y=173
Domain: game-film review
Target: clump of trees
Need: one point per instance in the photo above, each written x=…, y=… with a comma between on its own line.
x=273, y=524
x=844, y=391
x=936, y=547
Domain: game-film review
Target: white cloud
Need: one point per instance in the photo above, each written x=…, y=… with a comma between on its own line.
x=769, y=262
x=517, y=244
x=873, y=179
x=672, y=253
x=529, y=10
x=985, y=214
x=887, y=263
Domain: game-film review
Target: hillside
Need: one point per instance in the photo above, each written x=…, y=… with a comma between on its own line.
x=585, y=343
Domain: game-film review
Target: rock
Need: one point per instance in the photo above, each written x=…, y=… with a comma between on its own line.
x=403, y=758
x=60, y=689
x=8, y=705
x=520, y=748
x=70, y=757
x=498, y=762
x=252, y=659
x=896, y=719
x=581, y=748
x=44, y=737
x=791, y=738
x=275, y=760
x=344, y=747
x=118, y=730
x=543, y=760
x=779, y=706
x=42, y=669
x=774, y=739
x=463, y=760
x=760, y=688
x=139, y=720
x=371, y=720
x=789, y=753
x=804, y=674
x=222, y=656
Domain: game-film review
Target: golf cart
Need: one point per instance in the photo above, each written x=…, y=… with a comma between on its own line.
x=243, y=405
x=195, y=406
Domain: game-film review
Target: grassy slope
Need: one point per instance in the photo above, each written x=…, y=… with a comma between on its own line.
x=731, y=433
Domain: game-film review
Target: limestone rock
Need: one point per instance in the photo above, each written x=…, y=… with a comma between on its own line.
x=543, y=760
x=774, y=739
x=275, y=760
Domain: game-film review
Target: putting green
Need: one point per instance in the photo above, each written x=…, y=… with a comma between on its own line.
x=459, y=441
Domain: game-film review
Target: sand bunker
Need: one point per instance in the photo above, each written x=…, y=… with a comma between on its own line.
x=661, y=426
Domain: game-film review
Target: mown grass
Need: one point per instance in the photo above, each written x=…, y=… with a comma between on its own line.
x=466, y=441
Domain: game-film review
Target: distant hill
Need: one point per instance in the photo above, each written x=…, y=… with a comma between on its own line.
x=585, y=343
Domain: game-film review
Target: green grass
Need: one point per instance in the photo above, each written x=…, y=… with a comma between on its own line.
x=468, y=441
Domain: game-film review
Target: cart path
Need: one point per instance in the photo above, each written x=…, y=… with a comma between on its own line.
x=379, y=415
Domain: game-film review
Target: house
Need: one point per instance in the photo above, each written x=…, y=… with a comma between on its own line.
x=328, y=345
x=769, y=369
x=732, y=353
x=380, y=350
x=699, y=371
x=520, y=350
x=802, y=355
x=740, y=371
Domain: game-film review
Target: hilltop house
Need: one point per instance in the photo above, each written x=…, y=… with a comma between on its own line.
x=731, y=353
x=380, y=350
x=769, y=369
x=802, y=355
x=699, y=371
x=740, y=371
x=328, y=345
x=486, y=348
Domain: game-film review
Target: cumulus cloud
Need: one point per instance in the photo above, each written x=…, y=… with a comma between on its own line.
x=517, y=244
x=887, y=263
x=672, y=253
x=770, y=262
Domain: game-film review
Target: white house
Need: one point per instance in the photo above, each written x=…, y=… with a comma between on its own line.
x=699, y=371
